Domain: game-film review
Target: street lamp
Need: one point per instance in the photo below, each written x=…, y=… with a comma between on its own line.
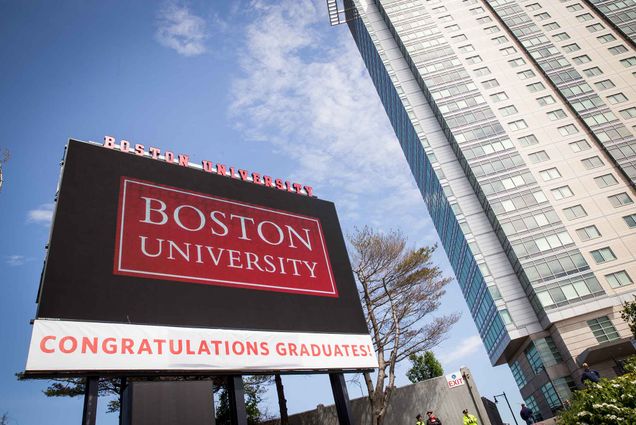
x=503, y=394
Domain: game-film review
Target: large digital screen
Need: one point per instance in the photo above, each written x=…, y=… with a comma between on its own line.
x=157, y=266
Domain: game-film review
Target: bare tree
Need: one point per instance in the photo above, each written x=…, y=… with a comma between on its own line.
x=399, y=287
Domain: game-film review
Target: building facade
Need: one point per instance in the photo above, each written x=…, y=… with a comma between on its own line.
x=518, y=121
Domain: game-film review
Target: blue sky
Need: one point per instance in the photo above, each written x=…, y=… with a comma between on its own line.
x=268, y=86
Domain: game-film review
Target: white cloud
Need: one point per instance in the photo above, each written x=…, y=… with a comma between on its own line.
x=462, y=349
x=16, y=260
x=179, y=29
x=41, y=215
x=305, y=90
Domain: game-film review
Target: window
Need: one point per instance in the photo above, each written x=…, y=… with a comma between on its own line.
x=508, y=110
x=500, y=40
x=484, y=19
x=473, y=59
x=556, y=115
x=516, y=62
x=603, y=329
x=584, y=17
x=540, y=156
x=533, y=6
x=577, y=211
x=533, y=357
x=628, y=113
x=628, y=62
x=498, y=97
x=562, y=192
x=542, y=16
x=603, y=255
x=630, y=220
x=592, y=72
x=482, y=71
x=508, y=51
x=535, y=87
x=551, y=26
x=549, y=174
x=524, y=75
x=492, y=30
x=574, y=7
x=453, y=27
x=466, y=48
x=605, y=181
x=551, y=395
x=568, y=129
x=517, y=373
x=606, y=38
x=592, y=162
x=587, y=233
x=445, y=18
x=617, y=50
x=545, y=100
x=459, y=37
x=595, y=27
x=569, y=48
x=580, y=60
x=505, y=316
x=600, y=118
x=476, y=10
x=617, y=98
x=561, y=36
x=579, y=146
x=489, y=84
x=604, y=84
x=618, y=279
x=494, y=292
x=620, y=200
x=517, y=125
x=528, y=140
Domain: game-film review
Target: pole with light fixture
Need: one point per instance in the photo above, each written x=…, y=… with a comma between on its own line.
x=503, y=394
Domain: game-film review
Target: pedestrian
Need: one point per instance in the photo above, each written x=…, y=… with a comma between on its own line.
x=589, y=374
x=469, y=419
x=419, y=420
x=526, y=414
x=432, y=419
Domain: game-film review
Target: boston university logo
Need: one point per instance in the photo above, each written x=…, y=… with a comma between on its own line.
x=169, y=233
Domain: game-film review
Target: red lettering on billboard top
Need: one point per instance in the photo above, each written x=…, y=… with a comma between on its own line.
x=173, y=234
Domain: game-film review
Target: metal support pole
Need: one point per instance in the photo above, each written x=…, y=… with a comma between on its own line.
x=236, y=393
x=341, y=397
x=90, y=401
x=122, y=387
x=508, y=403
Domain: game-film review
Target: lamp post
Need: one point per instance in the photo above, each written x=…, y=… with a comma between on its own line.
x=503, y=394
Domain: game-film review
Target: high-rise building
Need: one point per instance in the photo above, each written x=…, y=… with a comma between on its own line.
x=518, y=121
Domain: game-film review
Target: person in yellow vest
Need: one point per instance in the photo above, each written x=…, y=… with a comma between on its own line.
x=469, y=419
x=419, y=420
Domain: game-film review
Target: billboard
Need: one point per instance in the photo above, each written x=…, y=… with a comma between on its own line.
x=153, y=266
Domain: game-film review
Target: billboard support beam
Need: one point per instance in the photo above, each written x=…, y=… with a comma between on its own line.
x=90, y=400
x=236, y=392
x=341, y=398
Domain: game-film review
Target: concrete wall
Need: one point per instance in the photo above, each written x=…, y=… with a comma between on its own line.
x=406, y=403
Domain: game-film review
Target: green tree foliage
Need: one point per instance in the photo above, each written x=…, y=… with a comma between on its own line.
x=608, y=402
x=73, y=387
x=424, y=367
x=254, y=389
x=629, y=314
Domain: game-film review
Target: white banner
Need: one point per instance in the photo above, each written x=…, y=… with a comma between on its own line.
x=87, y=346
